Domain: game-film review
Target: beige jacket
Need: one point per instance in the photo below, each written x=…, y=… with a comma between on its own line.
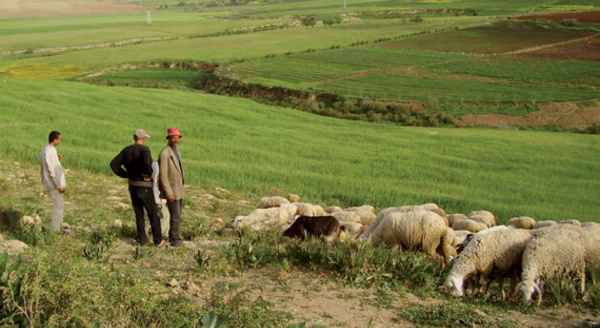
x=170, y=174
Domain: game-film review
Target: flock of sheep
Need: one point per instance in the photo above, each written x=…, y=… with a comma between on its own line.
x=481, y=251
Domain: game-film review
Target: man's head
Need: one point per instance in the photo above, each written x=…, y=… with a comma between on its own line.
x=173, y=135
x=140, y=137
x=54, y=138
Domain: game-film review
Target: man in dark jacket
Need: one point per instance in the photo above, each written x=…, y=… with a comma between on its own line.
x=137, y=161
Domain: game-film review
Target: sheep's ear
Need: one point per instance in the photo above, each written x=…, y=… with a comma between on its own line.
x=518, y=289
x=537, y=289
x=342, y=228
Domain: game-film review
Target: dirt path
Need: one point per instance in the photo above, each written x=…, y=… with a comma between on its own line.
x=91, y=46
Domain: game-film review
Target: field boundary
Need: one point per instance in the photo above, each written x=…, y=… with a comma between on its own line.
x=546, y=46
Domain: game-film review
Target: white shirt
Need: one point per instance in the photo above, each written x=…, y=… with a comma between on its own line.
x=155, y=171
x=53, y=176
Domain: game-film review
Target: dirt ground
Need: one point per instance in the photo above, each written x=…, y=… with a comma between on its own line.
x=588, y=49
x=30, y=9
x=567, y=115
x=592, y=17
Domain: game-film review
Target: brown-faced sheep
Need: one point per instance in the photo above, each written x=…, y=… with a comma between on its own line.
x=559, y=252
x=306, y=209
x=326, y=228
x=422, y=230
x=544, y=224
x=490, y=220
x=573, y=222
x=293, y=198
x=522, y=222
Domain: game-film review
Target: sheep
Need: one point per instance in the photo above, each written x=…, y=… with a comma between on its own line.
x=522, y=222
x=327, y=228
x=473, y=236
x=470, y=225
x=333, y=209
x=421, y=230
x=346, y=216
x=491, y=219
x=455, y=217
x=351, y=230
x=451, y=249
x=274, y=201
x=495, y=254
x=366, y=217
x=402, y=209
x=292, y=198
x=544, y=224
x=547, y=255
x=590, y=237
x=306, y=209
x=488, y=221
x=361, y=208
x=461, y=235
x=268, y=217
x=573, y=222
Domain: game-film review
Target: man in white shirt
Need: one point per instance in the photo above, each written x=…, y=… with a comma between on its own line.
x=53, y=178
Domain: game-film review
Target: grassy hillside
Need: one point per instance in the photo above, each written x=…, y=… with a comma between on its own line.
x=242, y=145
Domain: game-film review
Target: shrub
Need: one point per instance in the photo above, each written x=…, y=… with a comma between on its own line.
x=560, y=290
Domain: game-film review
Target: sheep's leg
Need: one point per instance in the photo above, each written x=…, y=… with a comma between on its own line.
x=513, y=283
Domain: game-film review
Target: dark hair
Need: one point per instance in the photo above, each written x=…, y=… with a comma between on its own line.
x=53, y=135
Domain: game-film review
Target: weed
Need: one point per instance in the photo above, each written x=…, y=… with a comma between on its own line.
x=211, y=320
x=201, y=260
x=95, y=252
x=453, y=314
x=560, y=290
x=138, y=253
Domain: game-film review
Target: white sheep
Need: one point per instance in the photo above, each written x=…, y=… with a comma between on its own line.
x=265, y=218
x=469, y=225
x=521, y=222
x=421, y=230
x=573, y=222
x=292, y=198
x=544, y=224
x=549, y=254
x=389, y=210
x=450, y=248
x=473, y=236
x=590, y=237
x=495, y=254
x=274, y=201
x=361, y=208
x=461, y=235
x=455, y=217
x=306, y=209
x=346, y=216
x=490, y=219
x=333, y=209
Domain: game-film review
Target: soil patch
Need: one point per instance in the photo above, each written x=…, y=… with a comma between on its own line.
x=581, y=17
x=588, y=49
x=566, y=115
x=25, y=9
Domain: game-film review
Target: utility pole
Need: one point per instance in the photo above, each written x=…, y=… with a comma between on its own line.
x=344, y=4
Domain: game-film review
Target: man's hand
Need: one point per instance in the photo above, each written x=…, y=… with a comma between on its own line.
x=60, y=157
x=147, y=178
x=171, y=198
x=61, y=190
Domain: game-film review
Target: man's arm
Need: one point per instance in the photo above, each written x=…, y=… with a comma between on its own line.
x=116, y=166
x=147, y=164
x=163, y=174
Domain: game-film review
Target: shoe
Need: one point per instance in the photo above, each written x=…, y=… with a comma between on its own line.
x=176, y=244
x=162, y=244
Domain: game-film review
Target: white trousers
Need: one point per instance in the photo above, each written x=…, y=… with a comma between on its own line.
x=58, y=208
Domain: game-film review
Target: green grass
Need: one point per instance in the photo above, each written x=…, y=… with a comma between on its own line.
x=242, y=145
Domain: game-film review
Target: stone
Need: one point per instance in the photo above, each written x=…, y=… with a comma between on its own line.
x=27, y=220
x=117, y=224
x=188, y=244
x=66, y=226
x=208, y=196
x=192, y=288
x=13, y=247
x=123, y=206
x=173, y=283
x=218, y=224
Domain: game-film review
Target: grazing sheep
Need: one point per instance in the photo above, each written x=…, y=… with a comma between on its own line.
x=346, y=216
x=469, y=225
x=389, y=210
x=351, y=230
x=490, y=255
x=366, y=217
x=452, y=218
x=522, y=222
x=264, y=218
x=472, y=236
x=293, y=198
x=451, y=249
x=461, y=235
x=490, y=217
x=306, y=209
x=327, y=228
x=274, y=201
x=333, y=209
x=489, y=222
x=361, y=208
x=559, y=252
x=590, y=237
x=422, y=230
x=573, y=222
x=544, y=224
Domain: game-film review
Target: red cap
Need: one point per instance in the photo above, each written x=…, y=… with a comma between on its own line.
x=173, y=132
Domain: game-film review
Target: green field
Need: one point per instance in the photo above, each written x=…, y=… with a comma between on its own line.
x=231, y=143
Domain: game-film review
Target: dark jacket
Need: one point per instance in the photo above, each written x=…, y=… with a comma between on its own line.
x=137, y=161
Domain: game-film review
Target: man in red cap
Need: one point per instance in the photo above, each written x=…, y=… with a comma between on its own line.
x=170, y=182
x=137, y=161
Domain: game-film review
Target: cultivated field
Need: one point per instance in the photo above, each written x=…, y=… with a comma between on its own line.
x=98, y=71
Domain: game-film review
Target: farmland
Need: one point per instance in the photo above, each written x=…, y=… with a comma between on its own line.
x=97, y=77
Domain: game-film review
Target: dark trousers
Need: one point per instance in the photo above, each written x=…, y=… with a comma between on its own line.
x=175, y=213
x=143, y=198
